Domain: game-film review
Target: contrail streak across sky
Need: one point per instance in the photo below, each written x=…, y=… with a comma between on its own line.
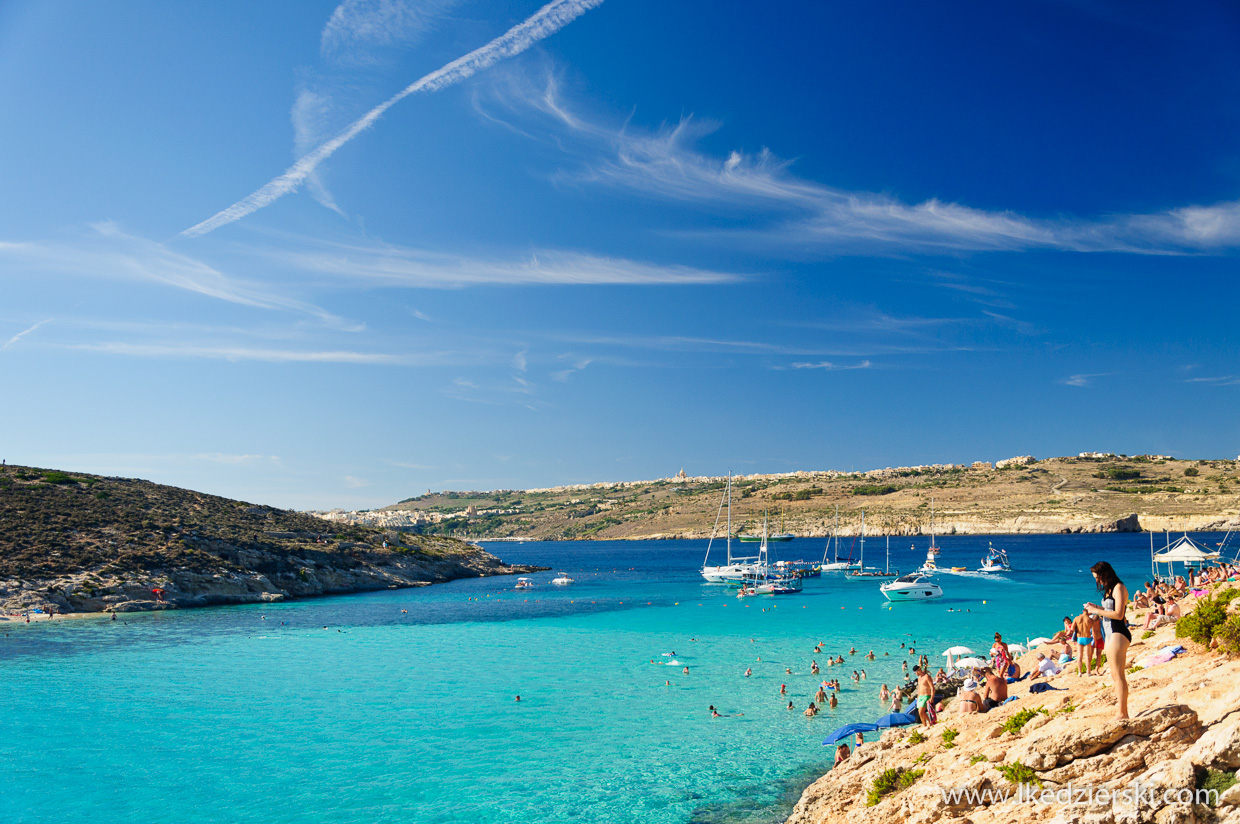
x=542, y=24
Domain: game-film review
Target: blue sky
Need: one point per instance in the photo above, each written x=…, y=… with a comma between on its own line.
x=328, y=254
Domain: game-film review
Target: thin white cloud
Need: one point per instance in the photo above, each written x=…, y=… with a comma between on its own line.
x=828, y=366
x=357, y=27
x=543, y=23
x=355, y=483
x=108, y=253
x=578, y=364
x=1083, y=380
x=243, y=353
x=519, y=362
x=11, y=341
x=784, y=209
x=390, y=265
x=1222, y=380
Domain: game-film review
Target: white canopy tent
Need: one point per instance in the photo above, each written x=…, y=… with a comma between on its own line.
x=1184, y=551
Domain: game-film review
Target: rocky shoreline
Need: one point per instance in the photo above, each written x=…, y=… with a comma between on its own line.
x=85, y=543
x=1059, y=755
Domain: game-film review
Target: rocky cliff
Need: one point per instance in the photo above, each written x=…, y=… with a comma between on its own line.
x=83, y=543
x=1050, y=756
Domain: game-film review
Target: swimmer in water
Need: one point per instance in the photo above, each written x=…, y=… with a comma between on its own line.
x=783, y=689
x=832, y=700
x=748, y=671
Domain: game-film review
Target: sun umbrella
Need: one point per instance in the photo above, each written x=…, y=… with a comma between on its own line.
x=970, y=662
x=956, y=651
x=1037, y=642
x=897, y=719
x=848, y=731
x=1017, y=649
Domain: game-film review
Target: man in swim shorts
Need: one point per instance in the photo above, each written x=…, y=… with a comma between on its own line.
x=925, y=692
x=1083, y=628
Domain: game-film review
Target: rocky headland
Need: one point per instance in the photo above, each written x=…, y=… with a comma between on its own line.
x=72, y=542
x=1059, y=755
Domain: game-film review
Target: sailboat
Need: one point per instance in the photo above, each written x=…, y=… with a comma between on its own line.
x=762, y=579
x=837, y=565
x=737, y=566
x=931, y=566
x=871, y=573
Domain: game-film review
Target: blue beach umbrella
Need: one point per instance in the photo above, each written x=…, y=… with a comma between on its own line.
x=897, y=719
x=848, y=731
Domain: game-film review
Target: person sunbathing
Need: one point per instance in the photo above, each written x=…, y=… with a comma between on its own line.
x=1046, y=668
x=1155, y=617
x=968, y=698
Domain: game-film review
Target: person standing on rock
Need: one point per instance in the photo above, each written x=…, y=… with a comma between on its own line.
x=925, y=694
x=1082, y=627
x=1114, y=627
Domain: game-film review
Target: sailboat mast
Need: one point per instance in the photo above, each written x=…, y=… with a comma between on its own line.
x=729, y=518
x=863, y=539
x=888, y=553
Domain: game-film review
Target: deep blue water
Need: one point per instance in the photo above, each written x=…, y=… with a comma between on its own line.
x=348, y=709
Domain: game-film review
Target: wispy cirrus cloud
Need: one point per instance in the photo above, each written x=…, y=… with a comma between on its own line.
x=1083, y=379
x=828, y=366
x=667, y=164
x=392, y=265
x=13, y=340
x=356, y=28
x=267, y=355
x=107, y=253
x=1220, y=380
x=542, y=24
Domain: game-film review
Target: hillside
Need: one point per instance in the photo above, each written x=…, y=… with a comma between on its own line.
x=1046, y=496
x=77, y=542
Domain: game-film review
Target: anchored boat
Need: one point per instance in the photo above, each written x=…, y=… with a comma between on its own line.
x=915, y=587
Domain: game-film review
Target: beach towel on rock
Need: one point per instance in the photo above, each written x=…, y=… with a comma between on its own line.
x=1043, y=687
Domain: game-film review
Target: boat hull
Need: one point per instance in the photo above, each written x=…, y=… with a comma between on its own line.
x=921, y=592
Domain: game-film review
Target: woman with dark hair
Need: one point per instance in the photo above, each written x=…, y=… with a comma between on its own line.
x=1114, y=628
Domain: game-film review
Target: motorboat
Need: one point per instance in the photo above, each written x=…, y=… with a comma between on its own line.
x=914, y=587
x=524, y=583
x=995, y=561
x=562, y=579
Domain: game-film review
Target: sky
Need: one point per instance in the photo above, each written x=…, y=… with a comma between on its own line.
x=337, y=254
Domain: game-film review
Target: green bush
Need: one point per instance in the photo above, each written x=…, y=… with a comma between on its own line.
x=1200, y=624
x=1020, y=719
x=1228, y=634
x=1149, y=633
x=1018, y=773
x=1119, y=473
x=1226, y=596
x=1216, y=781
x=917, y=737
x=875, y=489
x=57, y=477
x=949, y=738
x=1192, y=471
x=890, y=781
x=977, y=759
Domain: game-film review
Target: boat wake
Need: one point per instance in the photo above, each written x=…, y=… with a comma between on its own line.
x=989, y=576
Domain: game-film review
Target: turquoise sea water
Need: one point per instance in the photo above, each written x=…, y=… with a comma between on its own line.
x=347, y=709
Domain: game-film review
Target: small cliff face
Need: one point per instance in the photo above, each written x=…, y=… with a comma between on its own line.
x=1185, y=719
x=80, y=543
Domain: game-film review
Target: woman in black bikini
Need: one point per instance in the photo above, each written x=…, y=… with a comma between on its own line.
x=1114, y=628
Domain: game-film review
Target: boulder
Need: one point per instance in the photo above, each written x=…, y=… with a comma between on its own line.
x=1054, y=748
x=1219, y=748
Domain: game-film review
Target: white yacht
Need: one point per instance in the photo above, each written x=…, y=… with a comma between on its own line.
x=931, y=565
x=562, y=579
x=524, y=583
x=915, y=587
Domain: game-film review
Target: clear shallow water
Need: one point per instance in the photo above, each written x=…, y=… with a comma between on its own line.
x=220, y=714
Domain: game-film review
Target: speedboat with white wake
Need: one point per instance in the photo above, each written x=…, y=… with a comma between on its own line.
x=914, y=587
x=996, y=561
